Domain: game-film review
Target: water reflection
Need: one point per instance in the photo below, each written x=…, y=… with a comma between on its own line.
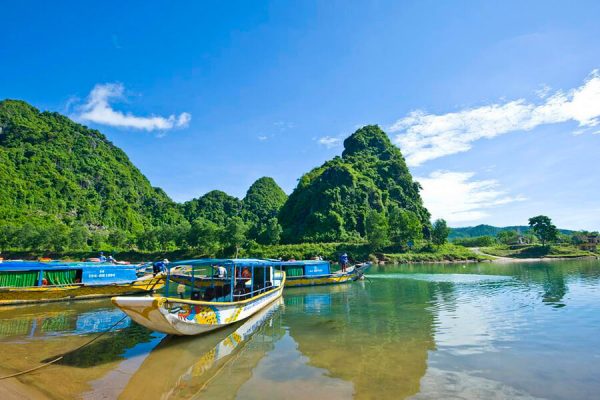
x=414, y=331
x=375, y=336
x=74, y=318
x=212, y=365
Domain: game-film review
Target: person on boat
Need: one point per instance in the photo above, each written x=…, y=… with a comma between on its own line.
x=246, y=273
x=181, y=290
x=111, y=260
x=221, y=272
x=159, y=266
x=102, y=258
x=344, y=261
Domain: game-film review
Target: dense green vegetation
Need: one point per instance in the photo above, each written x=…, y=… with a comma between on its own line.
x=332, y=202
x=488, y=230
x=68, y=185
x=541, y=240
x=215, y=206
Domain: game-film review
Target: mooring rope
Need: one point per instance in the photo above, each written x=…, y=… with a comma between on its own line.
x=63, y=355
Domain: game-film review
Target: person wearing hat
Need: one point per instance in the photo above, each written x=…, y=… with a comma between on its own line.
x=159, y=266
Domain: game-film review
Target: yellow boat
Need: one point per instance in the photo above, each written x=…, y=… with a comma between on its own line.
x=252, y=285
x=36, y=282
x=298, y=273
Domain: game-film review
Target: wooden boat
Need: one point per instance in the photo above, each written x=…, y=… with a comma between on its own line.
x=245, y=286
x=298, y=273
x=37, y=282
x=314, y=273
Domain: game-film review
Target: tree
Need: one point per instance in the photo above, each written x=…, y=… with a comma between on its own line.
x=377, y=230
x=543, y=228
x=7, y=237
x=271, y=232
x=234, y=235
x=404, y=226
x=205, y=235
x=78, y=237
x=440, y=232
x=507, y=237
x=117, y=239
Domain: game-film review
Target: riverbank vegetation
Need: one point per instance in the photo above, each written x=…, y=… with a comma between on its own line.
x=542, y=240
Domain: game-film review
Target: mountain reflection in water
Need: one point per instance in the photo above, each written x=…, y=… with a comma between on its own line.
x=524, y=330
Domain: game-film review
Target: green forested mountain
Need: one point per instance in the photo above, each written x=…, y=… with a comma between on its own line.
x=332, y=202
x=64, y=186
x=215, y=206
x=55, y=171
x=263, y=200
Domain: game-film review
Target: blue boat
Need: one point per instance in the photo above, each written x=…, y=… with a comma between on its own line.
x=26, y=282
x=315, y=273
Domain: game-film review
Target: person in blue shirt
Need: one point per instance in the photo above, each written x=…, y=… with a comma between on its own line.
x=102, y=258
x=159, y=266
x=344, y=261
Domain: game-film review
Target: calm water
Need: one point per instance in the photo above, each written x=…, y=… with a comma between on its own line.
x=429, y=331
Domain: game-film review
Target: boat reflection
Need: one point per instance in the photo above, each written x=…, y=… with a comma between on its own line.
x=184, y=367
x=57, y=319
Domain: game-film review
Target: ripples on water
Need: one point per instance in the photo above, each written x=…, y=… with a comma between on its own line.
x=419, y=331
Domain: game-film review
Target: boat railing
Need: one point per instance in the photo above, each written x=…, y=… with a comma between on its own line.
x=253, y=293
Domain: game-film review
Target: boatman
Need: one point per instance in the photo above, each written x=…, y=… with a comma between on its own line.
x=102, y=258
x=344, y=261
x=159, y=266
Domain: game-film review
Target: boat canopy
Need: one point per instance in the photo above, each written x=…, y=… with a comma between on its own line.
x=238, y=262
x=229, y=279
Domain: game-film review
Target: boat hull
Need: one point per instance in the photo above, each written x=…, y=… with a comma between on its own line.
x=188, y=317
x=45, y=294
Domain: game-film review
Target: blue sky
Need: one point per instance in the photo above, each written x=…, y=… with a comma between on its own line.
x=494, y=104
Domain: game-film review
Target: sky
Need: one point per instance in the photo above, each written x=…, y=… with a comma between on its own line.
x=495, y=105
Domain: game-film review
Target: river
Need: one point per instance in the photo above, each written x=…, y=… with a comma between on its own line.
x=474, y=331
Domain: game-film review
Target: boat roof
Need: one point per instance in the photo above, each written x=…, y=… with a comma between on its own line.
x=55, y=265
x=227, y=261
x=304, y=262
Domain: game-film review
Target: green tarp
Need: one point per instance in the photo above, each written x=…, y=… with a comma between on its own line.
x=60, y=277
x=18, y=279
x=294, y=271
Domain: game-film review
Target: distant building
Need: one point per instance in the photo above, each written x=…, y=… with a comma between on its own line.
x=590, y=242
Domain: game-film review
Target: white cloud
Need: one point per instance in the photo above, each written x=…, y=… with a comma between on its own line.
x=423, y=137
x=456, y=197
x=262, y=138
x=330, y=142
x=98, y=110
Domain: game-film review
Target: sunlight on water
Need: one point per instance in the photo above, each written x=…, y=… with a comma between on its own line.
x=453, y=278
x=479, y=331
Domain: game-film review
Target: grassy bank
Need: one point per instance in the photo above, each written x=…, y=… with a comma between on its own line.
x=329, y=251
x=445, y=253
x=536, y=251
